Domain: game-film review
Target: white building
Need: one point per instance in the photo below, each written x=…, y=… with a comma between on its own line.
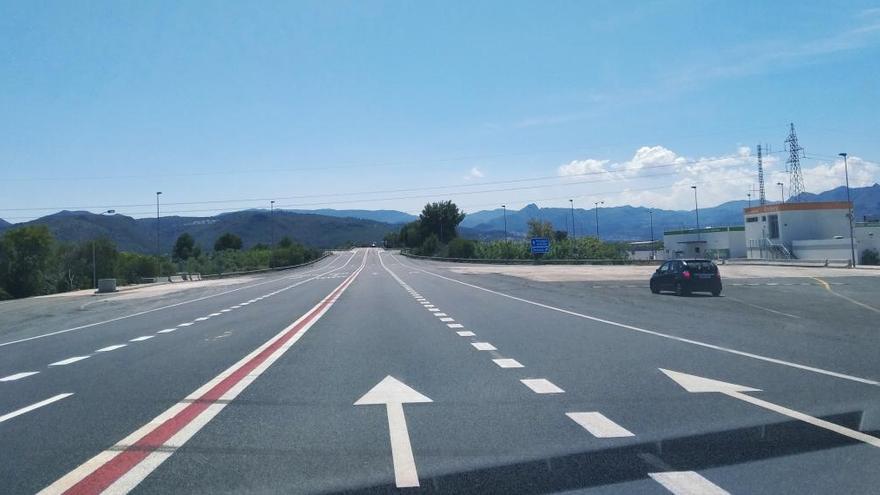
x=810, y=230
x=709, y=242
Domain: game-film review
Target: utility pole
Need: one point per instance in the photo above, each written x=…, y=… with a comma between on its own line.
x=781, y=191
x=793, y=164
x=851, y=214
x=573, y=233
x=762, y=198
x=697, y=211
x=504, y=208
x=272, y=231
x=653, y=250
x=158, y=251
x=750, y=199
x=596, y=208
x=94, y=260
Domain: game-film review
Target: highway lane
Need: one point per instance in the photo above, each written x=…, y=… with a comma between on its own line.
x=119, y=390
x=525, y=398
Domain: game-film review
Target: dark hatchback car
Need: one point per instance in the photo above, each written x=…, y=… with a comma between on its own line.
x=686, y=276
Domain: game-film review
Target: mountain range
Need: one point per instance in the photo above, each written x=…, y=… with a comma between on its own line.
x=329, y=228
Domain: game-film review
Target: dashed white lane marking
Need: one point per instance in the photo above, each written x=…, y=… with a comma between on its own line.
x=483, y=346
x=687, y=483
x=447, y=319
x=598, y=425
x=542, y=386
x=455, y=325
x=67, y=361
x=466, y=333
x=167, y=330
x=433, y=309
x=31, y=407
x=214, y=314
x=236, y=306
x=185, y=324
x=201, y=318
x=18, y=376
x=142, y=338
x=645, y=331
x=440, y=315
x=507, y=363
x=244, y=304
x=111, y=348
x=225, y=310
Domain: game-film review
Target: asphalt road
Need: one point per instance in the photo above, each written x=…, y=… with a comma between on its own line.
x=373, y=373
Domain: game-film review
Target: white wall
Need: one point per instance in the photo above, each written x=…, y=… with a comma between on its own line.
x=822, y=249
x=733, y=241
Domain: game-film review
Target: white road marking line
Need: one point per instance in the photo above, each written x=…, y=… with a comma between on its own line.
x=762, y=308
x=759, y=357
x=455, y=325
x=433, y=309
x=541, y=386
x=598, y=425
x=185, y=324
x=214, y=314
x=687, y=483
x=236, y=306
x=507, y=363
x=67, y=361
x=244, y=304
x=31, y=407
x=111, y=348
x=18, y=376
x=201, y=318
x=483, y=346
x=167, y=330
x=141, y=339
x=466, y=333
x=89, y=325
x=225, y=310
x=440, y=315
x=447, y=319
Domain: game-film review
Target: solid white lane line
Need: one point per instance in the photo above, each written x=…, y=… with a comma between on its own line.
x=18, y=376
x=185, y=324
x=541, y=386
x=244, y=304
x=455, y=325
x=67, y=361
x=167, y=330
x=111, y=348
x=89, y=325
x=201, y=318
x=225, y=310
x=598, y=425
x=483, y=346
x=214, y=314
x=507, y=363
x=141, y=339
x=31, y=407
x=466, y=333
x=447, y=319
x=687, y=483
x=236, y=306
x=664, y=335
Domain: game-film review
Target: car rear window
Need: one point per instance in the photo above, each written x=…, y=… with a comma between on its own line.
x=701, y=266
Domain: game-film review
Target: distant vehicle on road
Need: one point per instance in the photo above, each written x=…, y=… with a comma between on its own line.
x=374, y=244
x=686, y=276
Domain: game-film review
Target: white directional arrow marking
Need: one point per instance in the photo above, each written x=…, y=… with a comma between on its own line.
x=698, y=384
x=393, y=394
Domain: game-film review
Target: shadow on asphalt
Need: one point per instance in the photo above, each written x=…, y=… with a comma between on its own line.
x=631, y=463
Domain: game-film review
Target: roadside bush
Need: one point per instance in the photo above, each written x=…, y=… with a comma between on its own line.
x=429, y=246
x=870, y=257
x=461, y=248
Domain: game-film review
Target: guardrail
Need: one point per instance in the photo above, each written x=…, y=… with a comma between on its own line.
x=792, y=262
x=263, y=270
x=576, y=261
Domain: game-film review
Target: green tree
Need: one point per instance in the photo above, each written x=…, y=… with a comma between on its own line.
x=285, y=242
x=560, y=235
x=429, y=246
x=539, y=228
x=25, y=261
x=227, y=241
x=184, y=247
x=461, y=248
x=870, y=257
x=411, y=235
x=440, y=219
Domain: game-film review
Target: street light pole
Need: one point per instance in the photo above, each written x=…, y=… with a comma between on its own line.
x=573, y=232
x=750, y=199
x=596, y=208
x=697, y=211
x=653, y=251
x=781, y=191
x=158, y=250
x=504, y=208
x=94, y=259
x=272, y=231
x=851, y=214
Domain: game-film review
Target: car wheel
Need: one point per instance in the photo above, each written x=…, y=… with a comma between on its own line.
x=716, y=292
x=654, y=288
x=680, y=290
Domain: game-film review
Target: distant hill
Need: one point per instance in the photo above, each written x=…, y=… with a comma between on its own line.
x=4, y=224
x=385, y=216
x=253, y=226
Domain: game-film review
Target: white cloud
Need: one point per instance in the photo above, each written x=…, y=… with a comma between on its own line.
x=474, y=173
x=582, y=167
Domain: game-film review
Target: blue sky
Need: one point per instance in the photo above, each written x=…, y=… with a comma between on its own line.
x=365, y=104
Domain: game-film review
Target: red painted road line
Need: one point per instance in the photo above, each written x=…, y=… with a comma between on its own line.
x=112, y=470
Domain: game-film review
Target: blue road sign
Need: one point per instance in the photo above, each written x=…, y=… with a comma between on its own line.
x=540, y=245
